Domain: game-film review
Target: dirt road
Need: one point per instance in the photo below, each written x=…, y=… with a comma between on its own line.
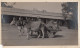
x=64, y=37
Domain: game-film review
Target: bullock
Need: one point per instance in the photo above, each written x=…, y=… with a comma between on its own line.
x=34, y=26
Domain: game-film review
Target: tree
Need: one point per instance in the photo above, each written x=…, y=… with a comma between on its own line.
x=65, y=12
x=8, y=4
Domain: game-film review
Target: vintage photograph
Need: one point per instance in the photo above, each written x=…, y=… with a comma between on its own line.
x=39, y=23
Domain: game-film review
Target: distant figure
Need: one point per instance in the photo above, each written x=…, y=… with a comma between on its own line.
x=20, y=25
x=13, y=22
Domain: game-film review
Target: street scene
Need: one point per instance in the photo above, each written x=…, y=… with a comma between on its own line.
x=32, y=25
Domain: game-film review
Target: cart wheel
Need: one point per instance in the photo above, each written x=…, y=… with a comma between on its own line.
x=50, y=35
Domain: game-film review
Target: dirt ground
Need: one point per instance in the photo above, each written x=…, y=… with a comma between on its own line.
x=10, y=37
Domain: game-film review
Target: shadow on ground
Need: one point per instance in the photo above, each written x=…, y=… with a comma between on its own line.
x=58, y=36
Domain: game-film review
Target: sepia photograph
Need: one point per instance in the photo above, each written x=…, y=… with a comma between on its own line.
x=39, y=23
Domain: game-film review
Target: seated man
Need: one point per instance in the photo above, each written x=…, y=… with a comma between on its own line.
x=13, y=22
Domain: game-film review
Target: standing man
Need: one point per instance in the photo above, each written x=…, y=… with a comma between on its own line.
x=27, y=28
x=20, y=25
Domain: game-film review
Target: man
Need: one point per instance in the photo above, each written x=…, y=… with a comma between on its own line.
x=41, y=28
x=20, y=25
x=25, y=21
x=26, y=28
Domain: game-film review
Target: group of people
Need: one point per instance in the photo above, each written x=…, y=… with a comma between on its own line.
x=20, y=23
x=30, y=26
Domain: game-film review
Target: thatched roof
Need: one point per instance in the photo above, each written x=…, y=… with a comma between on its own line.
x=30, y=13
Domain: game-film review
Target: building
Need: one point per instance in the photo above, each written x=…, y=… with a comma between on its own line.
x=9, y=12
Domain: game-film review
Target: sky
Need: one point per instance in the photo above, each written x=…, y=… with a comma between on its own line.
x=48, y=6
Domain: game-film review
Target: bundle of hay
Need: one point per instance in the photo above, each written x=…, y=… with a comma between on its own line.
x=51, y=25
